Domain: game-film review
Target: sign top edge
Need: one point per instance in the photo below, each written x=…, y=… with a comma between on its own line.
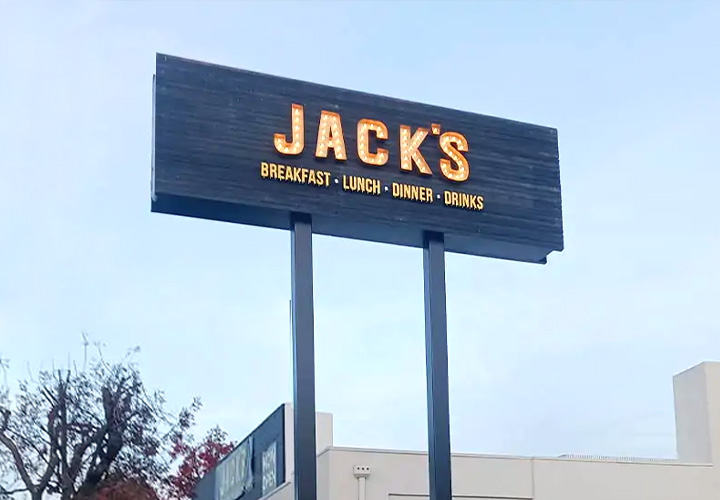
x=162, y=57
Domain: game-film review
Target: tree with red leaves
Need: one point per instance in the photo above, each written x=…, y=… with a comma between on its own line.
x=196, y=461
x=79, y=432
x=122, y=489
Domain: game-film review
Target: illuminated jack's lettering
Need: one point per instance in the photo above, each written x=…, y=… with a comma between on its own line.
x=364, y=126
x=330, y=135
x=296, y=146
x=410, y=152
x=452, y=143
x=455, y=167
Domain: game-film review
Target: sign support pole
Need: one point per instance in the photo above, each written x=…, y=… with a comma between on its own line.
x=436, y=355
x=303, y=334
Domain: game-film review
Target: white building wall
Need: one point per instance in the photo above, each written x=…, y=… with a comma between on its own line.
x=406, y=473
x=323, y=436
x=400, y=475
x=403, y=474
x=572, y=480
x=282, y=492
x=697, y=413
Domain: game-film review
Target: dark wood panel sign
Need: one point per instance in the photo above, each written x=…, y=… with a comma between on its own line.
x=239, y=146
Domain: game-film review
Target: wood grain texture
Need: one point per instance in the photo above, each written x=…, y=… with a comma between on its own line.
x=213, y=125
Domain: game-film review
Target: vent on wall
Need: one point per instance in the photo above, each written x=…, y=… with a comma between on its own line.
x=602, y=458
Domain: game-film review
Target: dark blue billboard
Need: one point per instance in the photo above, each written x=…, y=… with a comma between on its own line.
x=253, y=469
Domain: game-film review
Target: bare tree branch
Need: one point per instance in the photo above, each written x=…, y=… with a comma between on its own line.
x=74, y=432
x=12, y=492
x=52, y=426
x=14, y=451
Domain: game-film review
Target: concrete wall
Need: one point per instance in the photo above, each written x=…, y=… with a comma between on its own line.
x=406, y=473
x=283, y=492
x=475, y=476
x=323, y=436
x=697, y=413
x=399, y=475
x=570, y=480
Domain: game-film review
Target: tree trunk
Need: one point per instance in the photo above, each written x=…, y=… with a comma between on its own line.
x=36, y=495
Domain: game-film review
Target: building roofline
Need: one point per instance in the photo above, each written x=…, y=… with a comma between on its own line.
x=570, y=458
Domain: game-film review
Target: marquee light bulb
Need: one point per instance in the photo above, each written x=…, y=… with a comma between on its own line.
x=452, y=143
x=296, y=146
x=330, y=135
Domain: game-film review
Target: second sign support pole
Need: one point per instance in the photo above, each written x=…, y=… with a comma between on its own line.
x=303, y=334
x=436, y=354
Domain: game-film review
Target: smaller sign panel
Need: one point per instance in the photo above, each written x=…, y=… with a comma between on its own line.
x=234, y=475
x=253, y=469
x=245, y=147
x=269, y=468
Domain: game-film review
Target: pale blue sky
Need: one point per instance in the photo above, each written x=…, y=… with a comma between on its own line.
x=574, y=356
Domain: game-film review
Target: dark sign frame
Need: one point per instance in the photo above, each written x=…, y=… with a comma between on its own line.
x=244, y=147
x=214, y=131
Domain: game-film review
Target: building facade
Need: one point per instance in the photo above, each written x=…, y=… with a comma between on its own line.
x=365, y=474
